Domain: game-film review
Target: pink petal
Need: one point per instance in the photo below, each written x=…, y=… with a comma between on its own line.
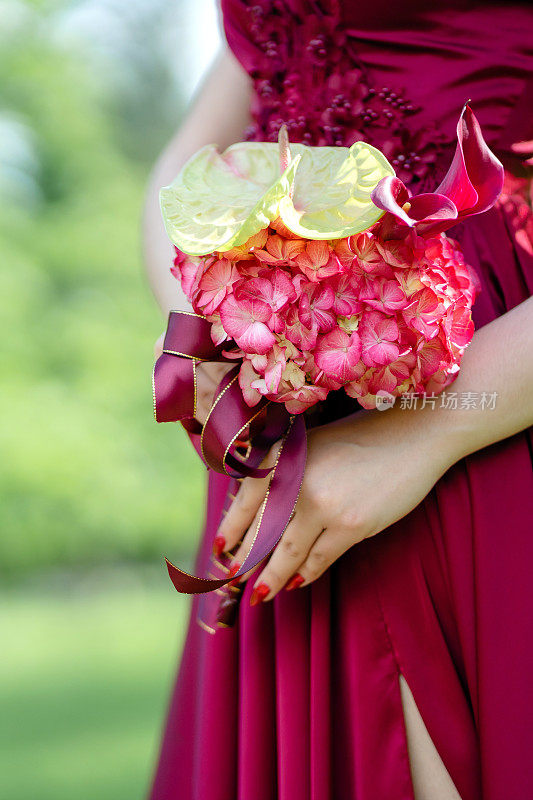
x=379, y=336
x=259, y=362
x=256, y=339
x=409, y=280
x=475, y=178
x=459, y=325
x=422, y=313
x=343, y=252
x=346, y=299
x=388, y=297
x=245, y=322
x=317, y=261
x=218, y=334
x=299, y=400
x=383, y=380
x=297, y=333
x=337, y=353
x=472, y=185
x=275, y=365
x=283, y=290
x=397, y=252
x=364, y=245
x=432, y=356
x=215, y=284
x=188, y=270
x=315, y=308
x=359, y=386
x=247, y=376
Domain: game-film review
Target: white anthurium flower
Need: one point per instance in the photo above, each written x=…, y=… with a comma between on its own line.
x=219, y=200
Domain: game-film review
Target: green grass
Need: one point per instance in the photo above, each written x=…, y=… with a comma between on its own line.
x=85, y=676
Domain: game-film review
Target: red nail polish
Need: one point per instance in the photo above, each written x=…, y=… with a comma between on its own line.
x=234, y=570
x=295, y=582
x=259, y=593
x=219, y=545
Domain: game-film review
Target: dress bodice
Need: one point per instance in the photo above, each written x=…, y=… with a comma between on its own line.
x=394, y=74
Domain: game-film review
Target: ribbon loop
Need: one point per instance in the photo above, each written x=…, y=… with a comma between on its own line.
x=187, y=342
x=174, y=388
x=276, y=512
x=189, y=336
x=228, y=418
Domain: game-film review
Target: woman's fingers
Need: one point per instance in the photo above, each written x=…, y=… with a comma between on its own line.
x=246, y=543
x=327, y=548
x=215, y=370
x=242, y=512
x=246, y=504
x=301, y=556
x=291, y=552
x=205, y=392
x=208, y=376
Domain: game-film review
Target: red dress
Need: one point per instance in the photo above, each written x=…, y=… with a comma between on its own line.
x=301, y=699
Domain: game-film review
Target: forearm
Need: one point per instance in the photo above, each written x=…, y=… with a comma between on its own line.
x=498, y=366
x=218, y=114
x=499, y=362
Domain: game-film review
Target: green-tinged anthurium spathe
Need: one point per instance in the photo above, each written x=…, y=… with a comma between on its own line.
x=219, y=200
x=332, y=191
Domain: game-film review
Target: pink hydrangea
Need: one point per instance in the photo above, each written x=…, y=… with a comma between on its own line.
x=369, y=313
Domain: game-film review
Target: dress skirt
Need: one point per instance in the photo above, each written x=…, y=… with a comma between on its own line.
x=300, y=700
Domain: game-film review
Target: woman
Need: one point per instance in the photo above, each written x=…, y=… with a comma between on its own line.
x=400, y=667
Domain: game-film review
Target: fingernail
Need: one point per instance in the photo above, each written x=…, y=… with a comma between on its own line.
x=295, y=582
x=259, y=593
x=233, y=570
x=219, y=545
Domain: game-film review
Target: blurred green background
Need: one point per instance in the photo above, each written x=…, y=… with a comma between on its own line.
x=93, y=492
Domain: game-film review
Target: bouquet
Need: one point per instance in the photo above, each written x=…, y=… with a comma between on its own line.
x=312, y=269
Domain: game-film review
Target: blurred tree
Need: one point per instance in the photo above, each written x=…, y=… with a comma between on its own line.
x=85, y=474
x=147, y=58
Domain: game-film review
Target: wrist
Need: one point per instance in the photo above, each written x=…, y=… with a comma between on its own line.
x=453, y=432
x=421, y=433
x=432, y=432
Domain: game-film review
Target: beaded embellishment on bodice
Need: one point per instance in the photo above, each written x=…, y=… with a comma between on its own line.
x=307, y=75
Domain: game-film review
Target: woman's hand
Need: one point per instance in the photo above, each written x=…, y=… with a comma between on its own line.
x=208, y=376
x=362, y=474
x=367, y=471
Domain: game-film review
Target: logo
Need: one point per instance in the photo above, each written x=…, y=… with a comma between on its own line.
x=384, y=400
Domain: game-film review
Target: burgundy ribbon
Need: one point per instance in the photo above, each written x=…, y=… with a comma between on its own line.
x=188, y=342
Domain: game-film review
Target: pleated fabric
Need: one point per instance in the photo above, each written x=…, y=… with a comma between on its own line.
x=301, y=699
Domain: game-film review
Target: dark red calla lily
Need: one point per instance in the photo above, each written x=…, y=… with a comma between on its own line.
x=471, y=186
